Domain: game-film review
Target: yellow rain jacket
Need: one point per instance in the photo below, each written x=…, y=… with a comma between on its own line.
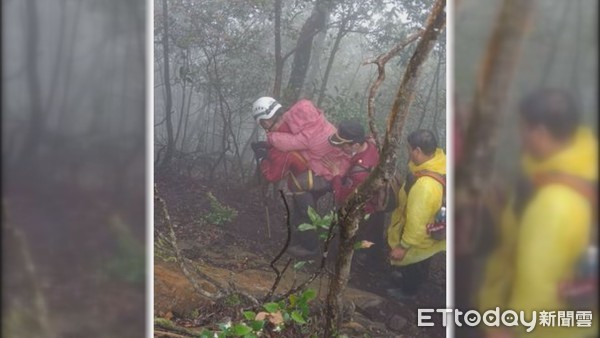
x=409, y=221
x=541, y=249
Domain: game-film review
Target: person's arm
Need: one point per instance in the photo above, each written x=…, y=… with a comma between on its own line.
x=273, y=167
x=424, y=199
x=498, y=268
x=287, y=141
x=343, y=191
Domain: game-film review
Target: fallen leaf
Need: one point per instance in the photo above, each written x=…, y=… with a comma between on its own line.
x=276, y=318
x=261, y=316
x=366, y=244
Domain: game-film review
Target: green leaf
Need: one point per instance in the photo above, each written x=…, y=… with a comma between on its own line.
x=312, y=214
x=257, y=325
x=323, y=224
x=304, y=308
x=367, y=216
x=357, y=246
x=271, y=307
x=309, y=295
x=251, y=335
x=249, y=315
x=306, y=226
x=297, y=317
x=323, y=235
x=241, y=329
x=293, y=300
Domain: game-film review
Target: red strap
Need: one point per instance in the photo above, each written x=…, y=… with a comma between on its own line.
x=439, y=178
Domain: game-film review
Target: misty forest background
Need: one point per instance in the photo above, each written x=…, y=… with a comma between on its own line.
x=73, y=119
x=221, y=57
x=559, y=50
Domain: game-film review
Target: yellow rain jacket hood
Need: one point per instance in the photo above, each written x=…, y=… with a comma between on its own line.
x=540, y=249
x=409, y=221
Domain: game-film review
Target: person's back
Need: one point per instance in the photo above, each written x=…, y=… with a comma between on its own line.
x=309, y=135
x=547, y=225
x=277, y=164
x=420, y=201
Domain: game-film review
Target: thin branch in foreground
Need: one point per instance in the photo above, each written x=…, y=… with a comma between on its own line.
x=179, y=257
x=282, y=251
x=39, y=302
x=309, y=280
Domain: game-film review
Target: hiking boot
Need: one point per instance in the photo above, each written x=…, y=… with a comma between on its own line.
x=300, y=251
x=400, y=295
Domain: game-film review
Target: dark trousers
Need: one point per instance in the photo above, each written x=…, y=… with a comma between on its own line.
x=372, y=230
x=413, y=276
x=304, y=197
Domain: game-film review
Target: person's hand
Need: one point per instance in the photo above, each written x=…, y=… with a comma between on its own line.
x=398, y=253
x=261, y=149
x=332, y=166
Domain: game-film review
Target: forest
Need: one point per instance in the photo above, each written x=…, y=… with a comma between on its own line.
x=221, y=261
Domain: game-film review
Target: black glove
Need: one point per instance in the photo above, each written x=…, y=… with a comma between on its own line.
x=261, y=149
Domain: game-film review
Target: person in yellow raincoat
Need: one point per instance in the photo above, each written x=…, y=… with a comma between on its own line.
x=411, y=247
x=542, y=237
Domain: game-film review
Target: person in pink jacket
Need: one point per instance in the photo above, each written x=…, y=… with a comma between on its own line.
x=308, y=137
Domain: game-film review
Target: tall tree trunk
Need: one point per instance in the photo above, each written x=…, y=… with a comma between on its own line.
x=547, y=70
x=181, y=111
x=168, y=94
x=64, y=108
x=427, y=100
x=437, y=92
x=334, y=49
x=35, y=126
x=353, y=212
x=53, y=84
x=315, y=23
x=476, y=168
x=495, y=76
x=278, y=57
x=309, y=88
x=187, y=119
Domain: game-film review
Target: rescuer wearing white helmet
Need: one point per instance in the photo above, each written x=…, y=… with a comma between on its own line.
x=267, y=111
x=297, y=136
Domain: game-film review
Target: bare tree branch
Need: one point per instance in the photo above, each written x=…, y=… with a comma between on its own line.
x=180, y=259
x=380, y=62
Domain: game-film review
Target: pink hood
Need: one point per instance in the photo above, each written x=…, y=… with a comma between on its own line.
x=310, y=136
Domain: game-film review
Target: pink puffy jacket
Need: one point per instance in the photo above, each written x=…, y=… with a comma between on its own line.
x=309, y=135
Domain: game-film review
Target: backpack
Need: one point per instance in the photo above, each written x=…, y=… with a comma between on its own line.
x=387, y=196
x=437, y=229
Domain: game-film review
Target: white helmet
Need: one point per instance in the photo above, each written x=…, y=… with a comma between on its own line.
x=265, y=108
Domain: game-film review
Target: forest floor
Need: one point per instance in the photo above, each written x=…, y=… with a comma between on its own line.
x=69, y=237
x=240, y=251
